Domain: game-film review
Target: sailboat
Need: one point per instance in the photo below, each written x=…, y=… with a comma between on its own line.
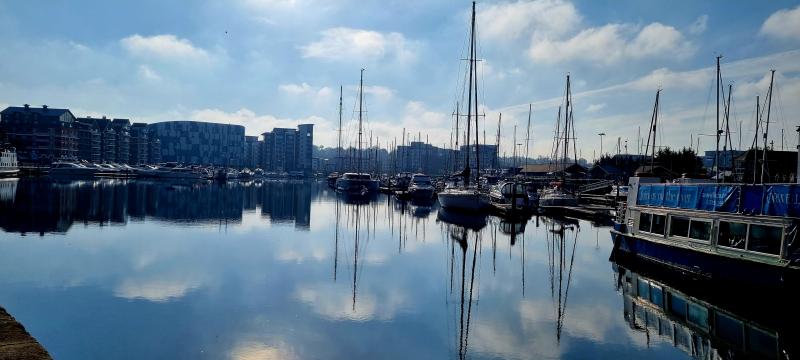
x=358, y=183
x=557, y=195
x=466, y=197
x=332, y=177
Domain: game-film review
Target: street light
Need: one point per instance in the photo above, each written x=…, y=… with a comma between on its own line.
x=601, y=143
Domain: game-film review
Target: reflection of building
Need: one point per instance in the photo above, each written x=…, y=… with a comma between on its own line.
x=698, y=327
x=288, y=149
x=194, y=142
x=39, y=205
x=40, y=135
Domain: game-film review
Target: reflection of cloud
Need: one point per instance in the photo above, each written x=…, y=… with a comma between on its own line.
x=159, y=290
x=257, y=351
x=336, y=302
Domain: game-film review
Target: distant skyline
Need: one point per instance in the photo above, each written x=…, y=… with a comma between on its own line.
x=279, y=63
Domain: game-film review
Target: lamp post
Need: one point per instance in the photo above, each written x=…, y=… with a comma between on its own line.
x=601, y=143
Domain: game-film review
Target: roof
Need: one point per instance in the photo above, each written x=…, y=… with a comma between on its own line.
x=548, y=168
x=47, y=111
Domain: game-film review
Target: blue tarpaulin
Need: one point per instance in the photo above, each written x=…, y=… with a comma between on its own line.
x=775, y=200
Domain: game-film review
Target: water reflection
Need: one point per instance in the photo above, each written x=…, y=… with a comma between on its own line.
x=562, y=239
x=704, y=321
x=42, y=205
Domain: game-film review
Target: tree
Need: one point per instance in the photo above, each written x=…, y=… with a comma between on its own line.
x=680, y=162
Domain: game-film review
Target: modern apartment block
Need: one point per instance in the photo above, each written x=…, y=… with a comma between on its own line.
x=195, y=142
x=138, y=145
x=40, y=135
x=288, y=149
x=252, y=152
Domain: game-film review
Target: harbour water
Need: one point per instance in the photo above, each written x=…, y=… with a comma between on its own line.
x=281, y=270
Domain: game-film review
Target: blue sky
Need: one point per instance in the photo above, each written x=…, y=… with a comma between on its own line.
x=268, y=63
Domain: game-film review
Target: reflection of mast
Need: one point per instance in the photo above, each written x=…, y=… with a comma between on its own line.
x=355, y=257
x=336, y=243
x=460, y=236
x=557, y=258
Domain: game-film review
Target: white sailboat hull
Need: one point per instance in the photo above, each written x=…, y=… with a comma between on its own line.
x=462, y=199
x=551, y=198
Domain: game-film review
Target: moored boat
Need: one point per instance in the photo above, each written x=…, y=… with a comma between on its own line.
x=68, y=168
x=420, y=187
x=356, y=184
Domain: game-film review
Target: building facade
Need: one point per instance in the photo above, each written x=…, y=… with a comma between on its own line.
x=40, y=135
x=88, y=141
x=138, y=145
x=194, y=142
x=252, y=152
x=288, y=149
x=122, y=128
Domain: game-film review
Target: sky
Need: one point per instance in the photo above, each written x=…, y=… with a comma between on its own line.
x=279, y=63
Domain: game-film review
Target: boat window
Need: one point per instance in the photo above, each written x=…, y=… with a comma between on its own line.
x=644, y=289
x=659, y=224
x=677, y=305
x=679, y=227
x=657, y=296
x=729, y=329
x=698, y=315
x=732, y=234
x=765, y=239
x=700, y=230
x=762, y=342
x=644, y=221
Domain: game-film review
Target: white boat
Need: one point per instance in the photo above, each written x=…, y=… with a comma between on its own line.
x=67, y=168
x=464, y=197
x=467, y=199
x=557, y=197
x=420, y=187
x=8, y=163
x=619, y=191
x=353, y=183
x=506, y=191
x=179, y=172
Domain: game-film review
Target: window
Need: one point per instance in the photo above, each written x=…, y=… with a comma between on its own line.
x=765, y=239
x=657, y=296
x=659, y=223
x=677, y=305
x=700, y=230
x=644, y=221
x=644, y=289
x=679, y=227
x=732, y=234
x=729, y=329
x=698, y=315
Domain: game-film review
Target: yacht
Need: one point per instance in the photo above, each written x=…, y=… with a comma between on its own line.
x=464, y=197
x=180, y=172
x=8, y=163
x=332, y=177
x=355, y=183
x=508, y=192
x=731, y=232
x=420, y=187
x=556, y=196
x=68, y=168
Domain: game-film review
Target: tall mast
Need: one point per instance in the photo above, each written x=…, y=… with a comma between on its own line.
x=339, y=148
x=567, y=112
x=651, y=134
x=360, y=113
x=528, y=133
x=716, y=154
x=766, y=128
x=469, y=97
x=497, y=142
x=755, y=139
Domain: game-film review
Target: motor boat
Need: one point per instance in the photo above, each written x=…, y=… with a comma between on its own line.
x=420, y=187
x=357, y=183
x=619, y=191
x=401, y=181
x=508, y=192
x=463, y=198
x=332, y=177
x=557, y=196
x=68, y=168
x=180, y=172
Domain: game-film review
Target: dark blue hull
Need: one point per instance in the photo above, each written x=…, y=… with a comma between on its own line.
x=704, y=265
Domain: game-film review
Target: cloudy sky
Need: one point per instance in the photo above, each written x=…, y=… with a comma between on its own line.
x=268, y=63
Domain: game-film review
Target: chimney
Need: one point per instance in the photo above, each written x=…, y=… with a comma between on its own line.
x=44, y=107
x=27, y=106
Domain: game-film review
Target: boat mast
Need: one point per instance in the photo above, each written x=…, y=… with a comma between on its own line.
x=567, y=112
x=716, y=154
x=652, y=132
x=497, y=142
x=360, y=113
x=528, y=133
x=469, y=97
x=755, y=139
x=764, y=167
x=339, y=148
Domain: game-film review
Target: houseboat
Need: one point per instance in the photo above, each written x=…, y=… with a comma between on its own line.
x=8, y=163
x=726, y=232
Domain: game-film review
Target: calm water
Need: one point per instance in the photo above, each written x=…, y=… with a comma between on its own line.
x=144, y=270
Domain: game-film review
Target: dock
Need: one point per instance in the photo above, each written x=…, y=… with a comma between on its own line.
x=16, y=343
x=505, y=211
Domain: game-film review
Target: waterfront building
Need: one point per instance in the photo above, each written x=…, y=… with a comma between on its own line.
x=154, y=149
x=40, y=135
x=89, y=142
x=122, y=129
x=487, y=153
x=252, y=152
x=194, y=142
x=139, y=144
x=108, y=138
x=288, y=149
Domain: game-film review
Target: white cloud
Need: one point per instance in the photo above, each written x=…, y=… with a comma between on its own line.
x=343, y=43
x=254, y=124
x=595, y=107
x=667, y=79
x=700, y=25
x=305, y=89
x=783, y=24
x=164, y=47
x=613, y=42
x=542, y=18
x=147, y=73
